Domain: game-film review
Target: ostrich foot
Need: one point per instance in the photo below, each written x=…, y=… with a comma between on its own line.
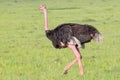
x=65, y=72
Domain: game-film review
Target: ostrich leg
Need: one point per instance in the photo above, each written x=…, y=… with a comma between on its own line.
x=78, y=58
x=69, y=66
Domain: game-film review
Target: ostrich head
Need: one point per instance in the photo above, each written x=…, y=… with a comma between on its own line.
x=42, y=7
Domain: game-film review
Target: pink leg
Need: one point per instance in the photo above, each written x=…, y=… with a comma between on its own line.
x=69, y=65
x=77, y=54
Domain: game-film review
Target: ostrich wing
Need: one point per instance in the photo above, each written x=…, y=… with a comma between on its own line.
x=64, y=33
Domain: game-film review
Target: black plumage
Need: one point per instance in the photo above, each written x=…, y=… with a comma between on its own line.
x=65, y=32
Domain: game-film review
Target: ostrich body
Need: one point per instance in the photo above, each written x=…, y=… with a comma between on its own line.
x=71, y=35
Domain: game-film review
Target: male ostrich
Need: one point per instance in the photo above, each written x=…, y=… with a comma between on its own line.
x=71, y=35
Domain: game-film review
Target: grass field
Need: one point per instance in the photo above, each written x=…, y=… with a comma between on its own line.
x=26, y=53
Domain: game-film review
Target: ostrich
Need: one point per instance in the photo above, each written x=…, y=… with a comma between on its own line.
x=72, y=36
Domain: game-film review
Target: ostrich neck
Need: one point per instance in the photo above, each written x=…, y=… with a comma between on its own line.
x=46, y=19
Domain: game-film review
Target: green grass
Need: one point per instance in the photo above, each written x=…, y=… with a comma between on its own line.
x=26, y=53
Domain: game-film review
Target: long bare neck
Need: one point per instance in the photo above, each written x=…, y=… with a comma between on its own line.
x=45, y=19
